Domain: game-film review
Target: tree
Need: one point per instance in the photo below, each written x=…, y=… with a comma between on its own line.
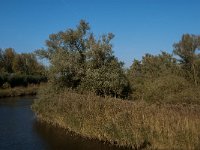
x=27, y=64
x=6, y=59
x=80, y=61
x=1, y=61
x=104, y=73
x=153, y=66
x=66, y=54
x=187, y=49
x=142, y=74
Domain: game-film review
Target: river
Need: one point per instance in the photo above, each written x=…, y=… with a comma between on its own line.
x=19, y=130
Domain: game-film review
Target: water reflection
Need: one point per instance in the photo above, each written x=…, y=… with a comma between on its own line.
x=59, y=139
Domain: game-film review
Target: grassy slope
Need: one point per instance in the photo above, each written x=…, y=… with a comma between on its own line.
x=135, y=124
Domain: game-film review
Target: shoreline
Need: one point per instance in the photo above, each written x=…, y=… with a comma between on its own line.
x=137, y=125
x=87, y=137
x=19, y=91
x=72, y=133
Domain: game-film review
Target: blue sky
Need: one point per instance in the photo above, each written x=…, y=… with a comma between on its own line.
x=140, y=26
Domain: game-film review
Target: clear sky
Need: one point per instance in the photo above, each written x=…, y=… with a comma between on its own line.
x=140, y=26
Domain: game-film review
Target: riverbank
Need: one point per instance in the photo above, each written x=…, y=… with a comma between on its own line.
x=132, y=124
x=19, y=91
x=19, y=130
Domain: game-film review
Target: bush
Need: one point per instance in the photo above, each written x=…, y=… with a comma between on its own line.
x=108, y=80
x=169, y=89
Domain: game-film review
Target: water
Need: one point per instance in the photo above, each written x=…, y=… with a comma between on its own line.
x=19, y=130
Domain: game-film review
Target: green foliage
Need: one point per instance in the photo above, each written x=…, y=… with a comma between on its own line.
x=161, y=78
x=187, y=49
x=165, y=88
x=66, y=54
x=6, y=60
x=27, y=64
x=145, y=72
x=104, y=73
x=81, y=62
x=20, y=69
x=107, y=80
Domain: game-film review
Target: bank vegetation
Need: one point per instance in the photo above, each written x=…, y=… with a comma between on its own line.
x=154, y=104
x=20, y=74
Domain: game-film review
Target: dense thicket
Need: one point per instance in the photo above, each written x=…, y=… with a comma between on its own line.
x=19, y=69
x=82, y=62
x=166, y=78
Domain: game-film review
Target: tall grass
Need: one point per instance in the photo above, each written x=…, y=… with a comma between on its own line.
x=135, y=124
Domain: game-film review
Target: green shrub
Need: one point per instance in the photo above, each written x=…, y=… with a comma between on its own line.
x=170, y=89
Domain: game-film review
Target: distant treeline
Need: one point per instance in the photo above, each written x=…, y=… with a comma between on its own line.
x=13, y=80
x=20, y=69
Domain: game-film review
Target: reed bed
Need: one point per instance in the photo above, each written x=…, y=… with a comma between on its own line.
x=138, y=124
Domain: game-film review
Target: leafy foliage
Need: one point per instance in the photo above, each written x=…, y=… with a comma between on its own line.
x=163, y=78
x=187, y=49
x=20, y=69
x=80, y=61
x=6, y=60
x=27, y=64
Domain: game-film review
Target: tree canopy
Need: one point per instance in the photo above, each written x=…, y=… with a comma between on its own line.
x=187, y=50
x=78, y=60
x=167, y=78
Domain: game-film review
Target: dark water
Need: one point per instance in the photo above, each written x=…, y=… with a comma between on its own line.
x=19, y=130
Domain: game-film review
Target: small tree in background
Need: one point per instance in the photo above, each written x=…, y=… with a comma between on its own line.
x=187, y=49
x=164, y=78
x=27, y=64
x=20, y=69
x=6, y=60
x=147, y=76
